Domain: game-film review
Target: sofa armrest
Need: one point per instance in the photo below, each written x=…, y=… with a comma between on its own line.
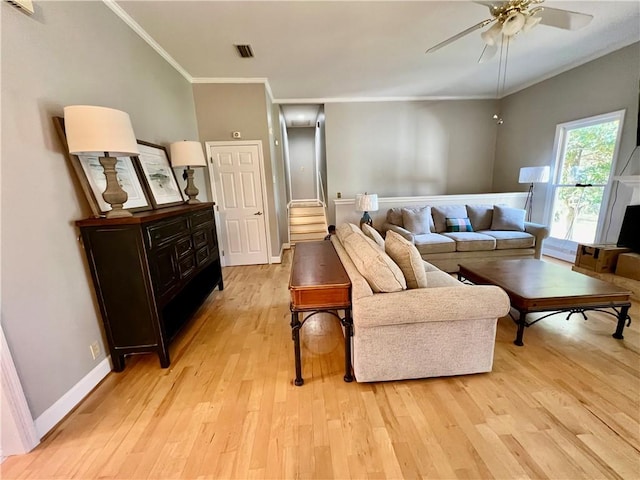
x=437, y=304
x=540, y=232
x=399, y=230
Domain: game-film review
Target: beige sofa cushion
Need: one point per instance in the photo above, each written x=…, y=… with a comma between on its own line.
x=508, y=218
x=417, y=220
x=472, y=241
x=480, y=216
x=346, y=229
x=373, y=234
x=510, y=239
x=407, y=257
x=442, y=212
x=434, y=243
x=394, y=216
x=382, y=274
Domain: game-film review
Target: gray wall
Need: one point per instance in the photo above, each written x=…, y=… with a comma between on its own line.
x=225, y=108
x=280, y=187
x=302, y=162
x=410, y=148
x=67, y=53
x=527, y=136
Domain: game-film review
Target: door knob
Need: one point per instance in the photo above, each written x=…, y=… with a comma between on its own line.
x=259, y=213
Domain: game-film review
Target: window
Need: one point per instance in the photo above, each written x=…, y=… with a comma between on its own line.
x=585, y=154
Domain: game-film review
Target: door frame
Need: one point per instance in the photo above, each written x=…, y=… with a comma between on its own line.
x=263, y=181
x=558, y=150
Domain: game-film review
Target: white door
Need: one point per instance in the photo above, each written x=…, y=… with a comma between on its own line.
x=237, y=185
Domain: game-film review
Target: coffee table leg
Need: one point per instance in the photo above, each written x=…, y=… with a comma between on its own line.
x=622, y=318
x=348, y=333
x=521, y=324
x=295, y=329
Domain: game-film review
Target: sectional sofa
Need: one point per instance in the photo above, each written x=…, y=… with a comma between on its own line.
x=412, y=320
x=448, y=235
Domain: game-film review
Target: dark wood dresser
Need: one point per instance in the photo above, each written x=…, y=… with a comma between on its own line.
x=151, y=272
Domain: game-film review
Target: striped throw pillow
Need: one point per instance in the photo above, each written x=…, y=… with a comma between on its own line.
x=458, y=225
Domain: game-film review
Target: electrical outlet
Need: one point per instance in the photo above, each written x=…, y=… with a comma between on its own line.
x=236, y=134
x=95, y=349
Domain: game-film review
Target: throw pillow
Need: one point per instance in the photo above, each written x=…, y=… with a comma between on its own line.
x=406, y=255
x=480, y=216
x=442, y=212
x=380, y=272
x=394, y=216
x=508, y=218
x=417, y=219
x=373, y=234
x=459, y=225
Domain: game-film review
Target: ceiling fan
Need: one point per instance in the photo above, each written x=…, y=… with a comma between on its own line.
x=514, y=16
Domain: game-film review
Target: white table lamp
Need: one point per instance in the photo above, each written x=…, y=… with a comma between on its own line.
x=102, y=131
x=188, y=154
x=366, y=202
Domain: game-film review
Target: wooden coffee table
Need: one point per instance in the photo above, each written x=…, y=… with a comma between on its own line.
x=538, y=286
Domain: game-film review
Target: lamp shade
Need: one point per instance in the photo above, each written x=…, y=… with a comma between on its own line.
x=92, y=130
x=534, y=174
x=187, y=154
x=366, y=202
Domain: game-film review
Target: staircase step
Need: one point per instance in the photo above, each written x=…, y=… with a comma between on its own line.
x=313, y=228
x=311, y=203
x=302, y=211
x=306, y=220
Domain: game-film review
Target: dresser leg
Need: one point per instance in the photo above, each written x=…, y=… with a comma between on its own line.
x=163, y=353
x=295, y=329
x=348, y=333
x=118, y=362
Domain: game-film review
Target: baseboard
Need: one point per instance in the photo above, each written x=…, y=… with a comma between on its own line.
x=285, y=246
x=56, y=412
x=278, y=259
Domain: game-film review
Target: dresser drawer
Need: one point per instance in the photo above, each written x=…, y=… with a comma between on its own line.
x=199, y=218
x=162, y=233
x=184, y=247
x=187, y=265
x=200, y=238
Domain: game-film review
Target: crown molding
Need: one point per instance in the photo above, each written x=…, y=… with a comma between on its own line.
x=378, y=99
x=135, y=26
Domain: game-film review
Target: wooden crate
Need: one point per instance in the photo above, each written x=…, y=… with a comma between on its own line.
x=599, y=258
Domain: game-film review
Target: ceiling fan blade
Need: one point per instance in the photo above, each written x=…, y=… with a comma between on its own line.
x=564, y=18
x=488, y=52
x=484, y=23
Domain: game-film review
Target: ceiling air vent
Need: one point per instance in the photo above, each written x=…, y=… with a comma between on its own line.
x=25, y=6
x=244, y=51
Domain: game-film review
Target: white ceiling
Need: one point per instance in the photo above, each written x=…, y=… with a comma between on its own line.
x=315, y=51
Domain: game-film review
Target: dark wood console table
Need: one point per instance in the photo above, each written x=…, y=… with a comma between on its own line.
x=151, y=272
x=319, y=283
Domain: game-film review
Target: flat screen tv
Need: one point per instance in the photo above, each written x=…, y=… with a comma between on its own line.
x=630, y=230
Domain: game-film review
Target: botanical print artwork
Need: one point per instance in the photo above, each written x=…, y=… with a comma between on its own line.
x=127, y=179
x=157, y=170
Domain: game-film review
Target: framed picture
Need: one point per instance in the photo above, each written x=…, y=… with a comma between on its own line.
x=91, y=176
x=158, y=176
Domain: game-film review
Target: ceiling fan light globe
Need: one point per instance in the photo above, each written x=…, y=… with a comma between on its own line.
x=491, y=36
x=531, y=22
x=513, y=24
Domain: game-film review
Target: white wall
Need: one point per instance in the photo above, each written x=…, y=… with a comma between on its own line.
x=527, y=136
x=410, y=148
x=302, y=162
x=67, y=53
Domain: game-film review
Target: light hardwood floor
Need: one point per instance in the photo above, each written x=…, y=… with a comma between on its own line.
x=564, y=406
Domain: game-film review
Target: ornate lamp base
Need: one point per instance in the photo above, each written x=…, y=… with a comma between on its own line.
x=113, y=194
x=191, y=190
